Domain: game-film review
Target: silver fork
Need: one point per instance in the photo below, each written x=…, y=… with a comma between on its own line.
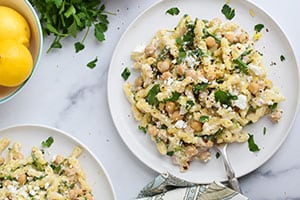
x=232, y=180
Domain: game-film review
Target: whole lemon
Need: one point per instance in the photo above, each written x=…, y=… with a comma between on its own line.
x=13, y=26
x=15, y=63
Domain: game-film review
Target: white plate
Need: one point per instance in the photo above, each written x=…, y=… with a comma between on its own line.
x=33, y=135
x=272, y=44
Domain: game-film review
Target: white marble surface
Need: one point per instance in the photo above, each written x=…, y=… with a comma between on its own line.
x=65, y=94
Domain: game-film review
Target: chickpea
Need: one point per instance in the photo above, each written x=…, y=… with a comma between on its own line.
x=197, y=126
x=152, y=130
x=22, y=179
x=6, y=183
x=276, y=115
x=176, y=116
x=18, y=156
x=163, y=65
x=166, y=75
x=1, y=160
x=138, y=82
x=180, y=69
x=72, y=194
x=204, y=156
x=59, y=159
x=170, y=107
x=89, y=196
x=209, y=144
x=210, y=42
x=243, y=37
x=191, y=150
x=230, y=37
x=149, y=50
x=254, y=87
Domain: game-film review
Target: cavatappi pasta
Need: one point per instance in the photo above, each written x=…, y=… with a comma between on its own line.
x=35, y=178
x=200, y=84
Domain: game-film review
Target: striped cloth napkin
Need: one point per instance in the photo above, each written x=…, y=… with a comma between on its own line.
x=167, y=187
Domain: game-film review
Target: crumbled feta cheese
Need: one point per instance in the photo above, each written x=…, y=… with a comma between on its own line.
x=182, y=110
x=169, y=81
x=202, y=79
x=191, y=61
x=180, y=124
x=241, y=102
x=257, y=70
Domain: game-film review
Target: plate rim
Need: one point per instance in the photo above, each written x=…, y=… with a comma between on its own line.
x=297, y=97
x=69, y=137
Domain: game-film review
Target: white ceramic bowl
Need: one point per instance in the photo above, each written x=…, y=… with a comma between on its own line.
x=36, y=42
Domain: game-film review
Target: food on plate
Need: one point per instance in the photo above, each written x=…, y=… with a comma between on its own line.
x=34, y=177
x=199, y=85
x=16, y=61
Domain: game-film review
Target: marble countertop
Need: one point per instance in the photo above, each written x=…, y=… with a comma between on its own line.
x=65, y=94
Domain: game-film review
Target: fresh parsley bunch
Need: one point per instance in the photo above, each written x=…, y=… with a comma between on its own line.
x=64, y=18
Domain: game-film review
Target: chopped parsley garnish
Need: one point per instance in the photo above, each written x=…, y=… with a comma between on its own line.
x=207, y=34
x=217, y=155
x=143, y=129
x=56, y=168
x=273, y=107
x=265, y=130
x=151, y=96
x=175, y=96
x=224, y=97
x=92, y=64
x=173, y=11
x=126, y=73
x=78, y=46
x=48, y=142
x=251, y=144
x=170, y=153
x=189, y=104
x=203, y=118
x=282, y=58
x=258, y=27
x=228, y=11
x=199, y=87
x=241, y=65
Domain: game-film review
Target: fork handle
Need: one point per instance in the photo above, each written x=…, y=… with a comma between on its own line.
x=234, y=183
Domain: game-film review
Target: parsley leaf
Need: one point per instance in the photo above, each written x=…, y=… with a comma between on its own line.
x=228, y=11
x=126, y=73
x=199, y=87
x=273, y=107
x=151, y=96
x=173, y=11
x=258, y=27
x=282, y=58
x=265, y=130
x=203, y=118
x=218, y=155
x=92, y=64
x=78, y=46
x=67, y=18
x=175, y=96
x=143, y=129
x=251, y=144
x=224, y=97
x=48, y=142
x=241, y=65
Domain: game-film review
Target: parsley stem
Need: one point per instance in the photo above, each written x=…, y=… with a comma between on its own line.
x=85, y=35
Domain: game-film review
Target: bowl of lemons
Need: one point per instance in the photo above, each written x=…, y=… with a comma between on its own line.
x=21, y=41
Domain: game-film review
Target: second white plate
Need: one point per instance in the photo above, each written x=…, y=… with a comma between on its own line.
x=33, y=135
x=284, y=75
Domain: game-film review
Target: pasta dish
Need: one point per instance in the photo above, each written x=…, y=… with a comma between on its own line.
x=199, y=85
x=35, y=178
